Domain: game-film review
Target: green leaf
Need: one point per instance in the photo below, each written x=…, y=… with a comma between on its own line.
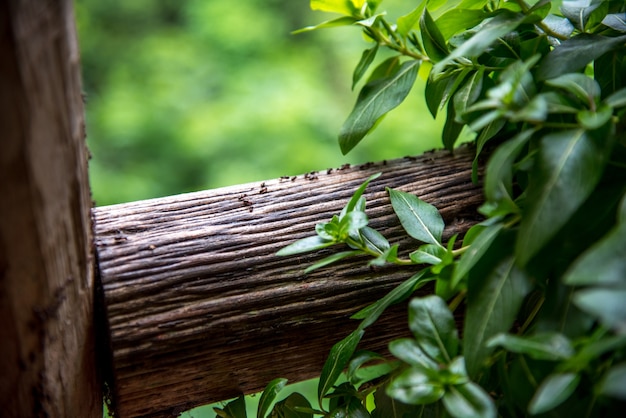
x=553, y=391
x=605, y=304
x=333, y=258
x=356, y=197
x=566, y=171
x=469, y=92
x=478, y=248
x=408, y=21
x=410, y=352
x=374, y=240
x=333, y=23
x=388, y=256
x=604, y=263
x=385, y=69
x=585, y=88
x=428, y=254
x=617, y=99
x=492, y=306
x=337, y=360
x=419, y=219
x=585, y=16
x=358, y=360
x=233, y=409
x=433, y=41
x=500, y=25
x=375, y=100
x=388, y=407
x=499, y=173
x=452, y=128
x=439, y=89
x=488, y=132
x=434, y=328
x=294, y=406
x=370, y=314
x=544, y=346
x=345, y=7
x=415, y=387
x=469, y=401
x=575, y=53
x=364, y=63
x=269, y=394
x=305, y=245
x=615, y=21
x=592, y=120
x=458, y=19
x=614, y=384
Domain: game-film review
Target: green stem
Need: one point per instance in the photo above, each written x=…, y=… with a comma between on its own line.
x=457, y=300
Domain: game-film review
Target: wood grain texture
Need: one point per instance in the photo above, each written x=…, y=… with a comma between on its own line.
x=47, y=360
x=199, y=307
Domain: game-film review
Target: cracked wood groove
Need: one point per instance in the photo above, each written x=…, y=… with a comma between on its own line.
x=199, y=307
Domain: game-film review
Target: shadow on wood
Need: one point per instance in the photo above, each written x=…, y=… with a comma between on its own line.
x=201, y=310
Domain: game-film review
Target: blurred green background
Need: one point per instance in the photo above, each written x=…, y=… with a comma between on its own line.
x=185, y=96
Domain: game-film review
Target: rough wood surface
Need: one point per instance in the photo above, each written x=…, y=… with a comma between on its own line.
x=47, y=361
x=200, y=309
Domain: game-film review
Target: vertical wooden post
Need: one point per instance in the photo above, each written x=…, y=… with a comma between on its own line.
x=47, y=361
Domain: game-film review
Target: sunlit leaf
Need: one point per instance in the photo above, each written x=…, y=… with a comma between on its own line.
x=356, y=196
x=415, y=387
x=566, y=171
x=555, y=389
x=333, y=23
x=420, y=220
x=495, y=28
x=457, y=20
x=433, y=41
x=346, y=7
x=375, y=100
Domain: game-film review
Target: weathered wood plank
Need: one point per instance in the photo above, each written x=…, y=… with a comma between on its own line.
x=200, y=309
x=47, y=360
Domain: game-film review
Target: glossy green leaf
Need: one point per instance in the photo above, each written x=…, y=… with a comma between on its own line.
x=269, y=394
x=385, y=69
x=364, y=63
x=492, y=305
x=614, y=384
x=375, y=100
x=388, y=407
x=346, y=7
x=333, y=23
x=410, y=352
x=370, y=314
x=353, y=409
x=478, y=248
x=585, y=88
x=356, y=196
x=469, y=401
x=606, y=304
x=337, y=360
x=432, y=39
x=575, y=53
x=407, y=22
x=451, y=129
x=439, y=89
x=434, y=328
x=358, y=360
x=495, y=28
x=333, y=258
x=566, y=171
x=617, y=99
x=419, y=219
x=553, y=391
x=415, y=387
x=615, y=21
x=543, y=346
x=604, y=263
x=469, y=92
x=374, y=240
x=489, y=131
x=233, y=409
x=428, y=254
x=592, y=120
x=294, y=406
x=305, y=245
x=585, y=16
x=498, y=184
x=459, y=19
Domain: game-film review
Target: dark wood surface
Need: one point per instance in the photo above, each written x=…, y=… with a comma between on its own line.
x=47, y=360
x=201, y=309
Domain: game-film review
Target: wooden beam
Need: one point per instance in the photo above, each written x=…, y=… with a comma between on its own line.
x=47, y=360
x=201, y=310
